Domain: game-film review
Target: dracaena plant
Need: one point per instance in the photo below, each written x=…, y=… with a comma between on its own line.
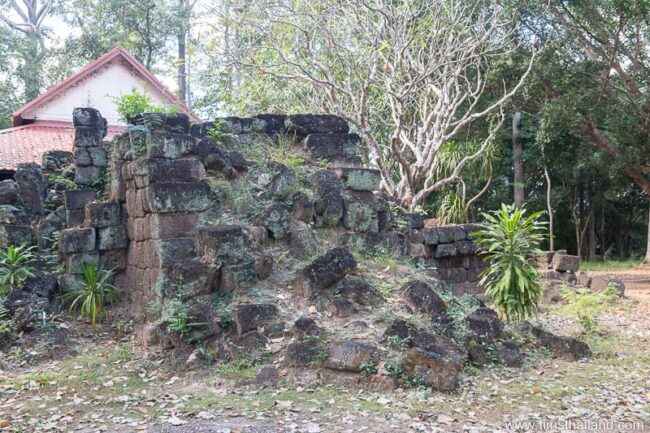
x=509, y=240
x=95, y=289
x=15, y=267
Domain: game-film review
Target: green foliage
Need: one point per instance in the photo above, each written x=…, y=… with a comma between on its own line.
x=582, y=302
x=176, y=317
x=237, y=369
x=67, y=184
x=6, y=323
x=610, y=265
x=395, y=342
x=223, y=311
x=216, y=132
x=15, y=267
x=509, y=240
x=89, y=300
x=369, y=368
x=135, y=104
x=458, y=308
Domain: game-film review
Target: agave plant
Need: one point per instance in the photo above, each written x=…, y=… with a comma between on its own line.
x=509, y=240
x=15, y=266
x=89, y=300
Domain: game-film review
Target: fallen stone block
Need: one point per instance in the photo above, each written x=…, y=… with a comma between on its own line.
x=327, y=270
x=250, y=317
x=341, y=149
x=424, y=299
x=565, y=263
x=277, y=220
x=600, y=284
x=566, y=348
x=169, y=145
x=328, y=203
x=302, y=242
x=349, y=356
x=8, y=192
x=432, y=369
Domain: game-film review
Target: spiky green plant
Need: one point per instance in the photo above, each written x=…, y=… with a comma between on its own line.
x=509, y=240
x=89, y=300
x=15, y=266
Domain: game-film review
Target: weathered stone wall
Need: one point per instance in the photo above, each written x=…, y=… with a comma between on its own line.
x=347, y=196
x=164, y=194
x=90, y=152
x=96, y=230
x=152, y=229
x=451, y=252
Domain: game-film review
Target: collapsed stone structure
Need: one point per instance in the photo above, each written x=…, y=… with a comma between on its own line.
x=560, y=269
x=192, y=219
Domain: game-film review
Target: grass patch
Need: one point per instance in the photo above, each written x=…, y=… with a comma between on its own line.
x=237, y=370
x=610, y=265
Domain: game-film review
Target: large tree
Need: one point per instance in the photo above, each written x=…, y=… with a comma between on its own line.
x=410, y=76
x=611, y=37
x=25, y=18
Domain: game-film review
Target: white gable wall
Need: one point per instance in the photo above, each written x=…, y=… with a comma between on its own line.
x=95, y=90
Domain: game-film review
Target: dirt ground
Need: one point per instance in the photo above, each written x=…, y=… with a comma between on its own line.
x=72, y=378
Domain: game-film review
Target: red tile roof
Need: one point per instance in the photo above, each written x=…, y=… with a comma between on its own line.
x=27, y=143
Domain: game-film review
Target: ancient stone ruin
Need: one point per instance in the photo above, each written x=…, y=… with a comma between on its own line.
x=238, y=230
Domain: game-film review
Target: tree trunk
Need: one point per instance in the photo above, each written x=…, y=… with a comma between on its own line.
x=603, y=229
x=518, y=160
x=592, y=234
x=647, y=253
x=182, y=68
x=549, y=209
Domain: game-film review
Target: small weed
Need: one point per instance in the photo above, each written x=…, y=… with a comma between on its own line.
x=176, y=317
x=237, y=369
x=222, y=310
x=369, y=368
x=583, y=302
x=216, y=132
x=398, y=343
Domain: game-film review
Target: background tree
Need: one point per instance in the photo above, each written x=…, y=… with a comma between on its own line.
x=25, y=18
x=409, y=76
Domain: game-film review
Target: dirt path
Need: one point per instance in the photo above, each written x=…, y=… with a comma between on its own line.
x=102, y=381
x=637, y=281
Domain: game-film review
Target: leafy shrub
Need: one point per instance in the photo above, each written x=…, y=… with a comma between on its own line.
x=216, y=132
x=509, y=240
x=6, y=323
x=134, y=104
x=15, y=267
x=89, y=300
x=176, y=317
x=586, y=305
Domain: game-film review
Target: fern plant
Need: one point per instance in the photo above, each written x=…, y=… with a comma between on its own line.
x=509, y=240
x=15, y=267
x=89, y=300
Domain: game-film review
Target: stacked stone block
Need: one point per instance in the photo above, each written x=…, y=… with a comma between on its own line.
x=90, y=153
x=164, y=194
x=452, y=253
x=99, y=240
